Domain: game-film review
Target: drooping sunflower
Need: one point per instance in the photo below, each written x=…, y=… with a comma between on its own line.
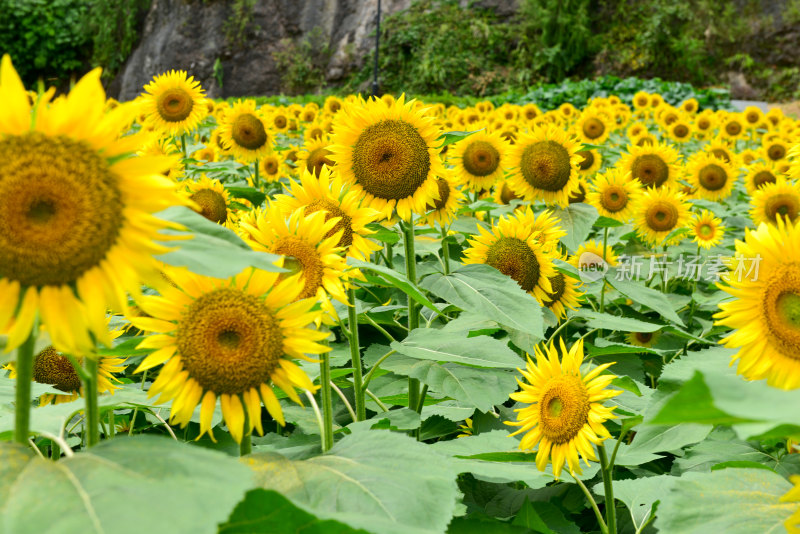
x=759, y=175
x=504, y=194
x=245, y=132
x=765, y=314
x=711, y=177
x=565, y=295
x=591, y=160
x=780, y=200
x=327, y=193
x=654, y=165
x=229, y=339
x=565, y=415
x=174, y=103
x=479, y=160
x=76, y=224
x=389, y=154
x=593, y=127
x=707, y=230
x=615, y=195
x=212, y=200
x=444, y=209
x=544, y=165
x=513, y=247
x=579, y=193
x=315, y=156
x=660, y=212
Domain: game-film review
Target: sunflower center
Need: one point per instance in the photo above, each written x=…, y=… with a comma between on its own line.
x=643, y=337
x=782, y=205
x=248, y=132
x=481, y=158
x=514, y=258
x=391, y=159
x=776, y=152
x=563, y=409
x=60, y=209
x=781, y=308
x=306, y=255
x=229, y=341
x=50, y=367
x=174, y=105
x=587, y=161
x=712, y=177
x=650, y=169
x=752, y=117
x=271, y=166
x=614, y=198
x=507, y=195
x=722, y=154
x=662, y=216
x=763, y=177
x=680, y=131
x=212, y=205
x=704, y=124
x=317, y=159
x=332, y=209
x=593, y=128
x=559, y=285
x=733, y=128
x=279, y=121
x=705, y=230
x=546, y=165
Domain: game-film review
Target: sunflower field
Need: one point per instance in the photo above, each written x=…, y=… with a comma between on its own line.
x=381, y=315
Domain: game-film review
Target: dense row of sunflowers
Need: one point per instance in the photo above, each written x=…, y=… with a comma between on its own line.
x=82, y=179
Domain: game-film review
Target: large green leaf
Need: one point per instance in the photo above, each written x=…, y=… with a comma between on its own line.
x=640, y=495
x=484, y=290
x=479, y=351
x=207, y=248
x=576, y=220
x=651, y=298
x=269, y=512
x=397, y=280
x=482, y=388
x=380, y=481
x=607, y=321
x=126, y=485
x=733, y=501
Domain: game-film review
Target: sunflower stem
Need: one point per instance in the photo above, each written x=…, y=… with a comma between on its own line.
x=24, y=368
x=256, y=180
x=600, y=521
x=183, y=148
x=608, y=472
x=91, y=364
x=326, y=400
x=355, y=355
x=413, y=312
x=388, y=256
x=246, y=445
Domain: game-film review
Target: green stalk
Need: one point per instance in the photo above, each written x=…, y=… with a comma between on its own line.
x=91, y=364
x=413, y=311
x=355, y=355
x=246, y=446
x=256, y=180
x=183, y=148
x=327, y=401
x=388, y=256
x=607, y=471
x=24, y=368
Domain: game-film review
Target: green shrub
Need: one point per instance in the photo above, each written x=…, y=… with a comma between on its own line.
x=303, y=62
x=114, y=25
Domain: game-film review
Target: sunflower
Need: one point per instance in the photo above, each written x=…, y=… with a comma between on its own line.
x=732, y=126
x=711, y=177
x=390, y=154
x=704, y=123
x=278, y=120
x=245, y=132
x=615, y=195
x=544, y=165
x=641, y=100
x=271, y=168
x=654, y=165
x=211, y=200
x=723, y=150
x=645, y=140
x=759, y=175
x=775, y=149
x=444, y=209
x=591, y=161
x=748, y=156
x=205, y=155
x=504, y=194
x=332, y=104
x=707, y=230
x=327, y=193
x=636, y=130
x=530, y=111
x=513, y=247
x=591, y=256
x=592, y=127
x=309, y=244
x=765, y=312
x=793, y=495
x=233, y=339
x=76, y=224
x=690, y=106
x=315, y=132
x=579, y=193
x=315, y=156
x=479, y=159
x=565, y=295
x=565, y=415
x=752, y=115
x=660, y=212
x=773, y=202
x=680, y=131
x=642, y=339
x=174, y=103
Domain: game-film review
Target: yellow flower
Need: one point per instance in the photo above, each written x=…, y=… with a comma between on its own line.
x=76, y=224
x=245, y=132
x=565, y=295
x=793, y=495
x=174, y=103
x=712, y=177
x=660, y=212
x=615, y=195
x=565, y=414
x=591, y=160
x=592, y=127
x=706, y=229
x=443, y=209
x=315, y=156
x=479, y=160
x=591, y=253
x=759, y=175
x=775, y=201
x=654, y=165
x=211, y=200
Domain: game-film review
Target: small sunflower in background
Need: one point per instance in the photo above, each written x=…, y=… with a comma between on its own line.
x=174, y=103
x=660, y=212
x=592, y=127
x=643, y=339
x=723, y=150
x=479, y=160
x=656, y=165
x=503, y=194
x=332, y=104
x=544, y=165
x=315, y=156
x=711, y=177
x=615, y=195
x=565, y=295
x=389, y=153
x=513, y=247
x=759, y=175
x=278, y=120
x=271, y=168
x=329, y=194
x=732, y=127
x=690, y=106
x=211, y=200
x=579, y=193
x=245, y=132
x=748, y=156
x=565, y=415
x=231, y=340
x=443, y=209
x=765, y=312
x=641, y=100
x=775, y=149
x=752, y=116
x=704, y=124
x=680, y=131
x=707, y=230
x=591, y=161
x=776, y=201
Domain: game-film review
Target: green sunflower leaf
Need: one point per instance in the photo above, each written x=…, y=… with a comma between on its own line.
x=479, y=351
x=448, y=138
